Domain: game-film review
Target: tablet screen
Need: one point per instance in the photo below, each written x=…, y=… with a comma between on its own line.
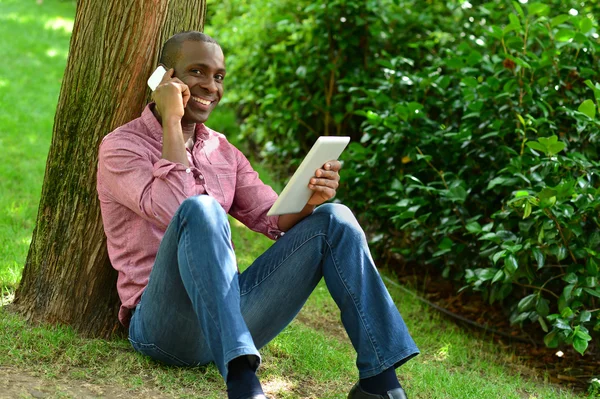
x=296, y=193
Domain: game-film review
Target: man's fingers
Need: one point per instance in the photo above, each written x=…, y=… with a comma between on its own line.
x=315, y=182
x=325, y=174
x=326, y=193
x=333, y=165
x=167, y=76
x=185, y=93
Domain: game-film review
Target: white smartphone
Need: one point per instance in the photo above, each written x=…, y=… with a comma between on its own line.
x=296, y=193
x=156, y=77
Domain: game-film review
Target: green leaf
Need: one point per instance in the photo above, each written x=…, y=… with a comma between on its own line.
x=588, y=107
x=591, y=282
x=498, y=255
x=595, y=88
x=585, y=316
x=592, y=267
x=537, y=146
x=551, y=339
x=499, y=275
x=538, y=8
x=566, y=312
x=542, y=307
x=559, y=20
x=571, y=278
x=547, y=193
x=457, y=194
x=567, y=291
x=539, y=257
x=547, y=141
x=519, y=10
x=470, y=82
x=440, y=253
x=473, y=227
x=527, y=303
x=488, y=236
x=527, y=210
x=514, y=20
x=498, y=181
x=562, y=253
x=580, y=345
x=564, y=35
x=510, y=262
x=583, y=335
x=521, y=193
x=555, y=148
x=485, y=274
x=586, y=25
x=592, y=292
x=446, y=243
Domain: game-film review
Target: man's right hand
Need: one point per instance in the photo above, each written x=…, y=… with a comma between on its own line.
x=171, y=97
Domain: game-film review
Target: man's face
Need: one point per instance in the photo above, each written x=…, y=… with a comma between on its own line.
x=201, y=66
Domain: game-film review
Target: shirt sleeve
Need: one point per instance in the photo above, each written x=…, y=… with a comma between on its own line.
x=253, y=199
x=153, y=190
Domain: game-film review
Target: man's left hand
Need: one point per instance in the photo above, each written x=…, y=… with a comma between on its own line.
x=325, y=183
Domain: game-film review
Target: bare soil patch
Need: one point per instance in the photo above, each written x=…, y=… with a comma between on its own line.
x=16, y=383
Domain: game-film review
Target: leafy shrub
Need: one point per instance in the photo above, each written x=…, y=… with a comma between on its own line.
x=475, y=134
x=292, y=64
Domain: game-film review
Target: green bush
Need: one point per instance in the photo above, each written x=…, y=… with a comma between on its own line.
x=474, y=134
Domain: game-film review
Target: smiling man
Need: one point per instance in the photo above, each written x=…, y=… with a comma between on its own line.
x=166, y=183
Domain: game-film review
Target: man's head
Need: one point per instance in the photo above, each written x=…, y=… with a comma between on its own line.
x=199, y=63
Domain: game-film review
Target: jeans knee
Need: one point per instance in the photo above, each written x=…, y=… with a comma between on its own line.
x=341, y=216
x=205, y=208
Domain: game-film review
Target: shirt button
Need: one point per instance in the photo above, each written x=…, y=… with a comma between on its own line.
x=188, y=170
x=201, y=177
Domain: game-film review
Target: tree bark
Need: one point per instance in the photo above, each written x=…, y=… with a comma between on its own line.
x=115, y=45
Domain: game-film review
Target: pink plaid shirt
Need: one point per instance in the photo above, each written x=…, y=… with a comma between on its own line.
x=139, y=193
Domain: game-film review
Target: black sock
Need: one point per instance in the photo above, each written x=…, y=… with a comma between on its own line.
x=241, y=379
x=381, y=383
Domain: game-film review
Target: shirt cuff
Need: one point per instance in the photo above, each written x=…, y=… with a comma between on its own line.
x=162, y=168
x=165, y=170
x=273, y=228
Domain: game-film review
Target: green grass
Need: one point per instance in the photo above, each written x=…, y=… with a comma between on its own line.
x=311, y=358
x=33, y=51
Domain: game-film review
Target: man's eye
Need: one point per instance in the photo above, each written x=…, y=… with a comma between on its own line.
x=219, y=77
x=196, y=71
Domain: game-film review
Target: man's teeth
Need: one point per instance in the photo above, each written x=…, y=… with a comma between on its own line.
x=201, y=100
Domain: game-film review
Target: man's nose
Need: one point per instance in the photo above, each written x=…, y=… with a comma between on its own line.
x=210, y=85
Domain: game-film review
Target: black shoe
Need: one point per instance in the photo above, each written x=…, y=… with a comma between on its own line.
x=357, y=393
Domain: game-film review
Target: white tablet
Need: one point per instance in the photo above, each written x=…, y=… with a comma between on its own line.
x=296, y=193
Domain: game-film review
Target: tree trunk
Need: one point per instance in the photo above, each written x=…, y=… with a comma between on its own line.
x=115, y=45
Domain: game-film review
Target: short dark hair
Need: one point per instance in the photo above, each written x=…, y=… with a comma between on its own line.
x=170, y=52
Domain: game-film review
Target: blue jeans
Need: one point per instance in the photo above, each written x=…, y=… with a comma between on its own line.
x=197, y=308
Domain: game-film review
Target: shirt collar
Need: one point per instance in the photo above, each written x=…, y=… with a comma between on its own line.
x=155, y=128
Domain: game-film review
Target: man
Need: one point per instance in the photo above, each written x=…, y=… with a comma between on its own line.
x=166, y=183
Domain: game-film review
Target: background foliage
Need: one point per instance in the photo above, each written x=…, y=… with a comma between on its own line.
x=474, y=128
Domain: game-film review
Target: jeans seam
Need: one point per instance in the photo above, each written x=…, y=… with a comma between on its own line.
x=413, y=350
x=281, y=263
x=162, y=351
x=188, y=258
x=355, y=302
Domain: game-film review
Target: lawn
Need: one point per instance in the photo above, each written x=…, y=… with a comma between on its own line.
x=312, y=358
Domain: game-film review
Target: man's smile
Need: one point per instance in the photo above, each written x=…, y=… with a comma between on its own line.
x=201, y=100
